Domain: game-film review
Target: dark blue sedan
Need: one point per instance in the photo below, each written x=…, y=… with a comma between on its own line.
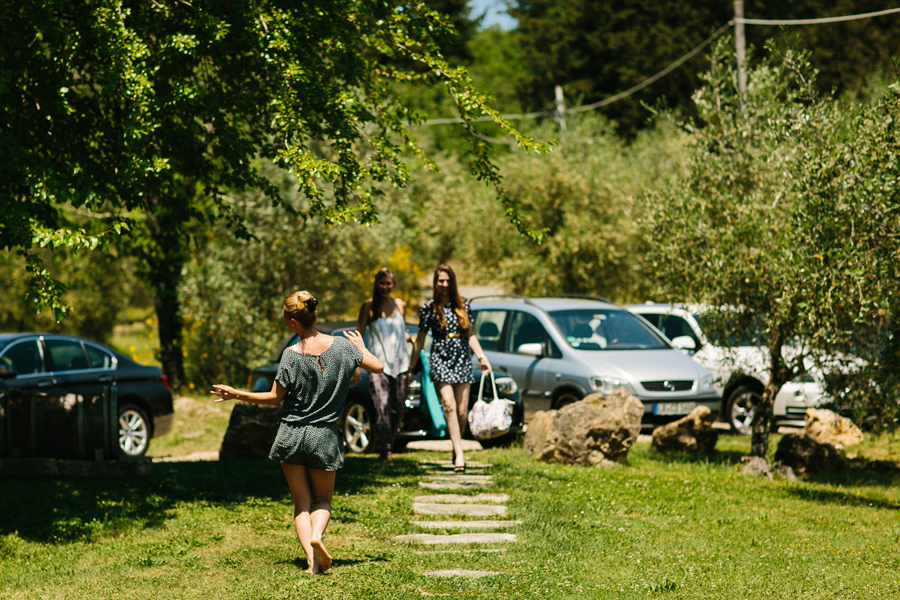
x=69, y=397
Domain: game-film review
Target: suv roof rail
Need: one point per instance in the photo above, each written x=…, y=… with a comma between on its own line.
x=524, y=299
x=581, y=296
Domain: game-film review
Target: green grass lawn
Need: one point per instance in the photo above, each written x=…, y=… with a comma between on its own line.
x=664, y=527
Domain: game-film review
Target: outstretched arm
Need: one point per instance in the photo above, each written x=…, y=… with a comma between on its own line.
x=270, y=398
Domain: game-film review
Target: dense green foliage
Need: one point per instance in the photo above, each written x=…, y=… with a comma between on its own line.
x=598, y=49
x=233, y=289
x=852, y=223
x=146, y=116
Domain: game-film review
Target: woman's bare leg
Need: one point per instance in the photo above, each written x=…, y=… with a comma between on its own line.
x=451, y=416
x=298, y=483
x=323, y=490
x=461, y=391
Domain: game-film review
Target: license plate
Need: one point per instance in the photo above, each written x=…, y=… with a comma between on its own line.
x=674, y=408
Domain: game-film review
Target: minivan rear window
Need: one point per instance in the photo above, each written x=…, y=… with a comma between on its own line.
x=606, y=329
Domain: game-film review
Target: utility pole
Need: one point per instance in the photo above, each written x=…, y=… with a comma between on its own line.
x=740, y=44
x=560, y=109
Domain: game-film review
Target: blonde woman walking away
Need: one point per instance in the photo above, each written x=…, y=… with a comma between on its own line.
x=313, y=379
x=382, y=323
x=449, y=318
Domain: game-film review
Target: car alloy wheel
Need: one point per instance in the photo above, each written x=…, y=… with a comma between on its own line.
x=134, y=431
x=358, y=427
x=741, y=409
x=565, y=399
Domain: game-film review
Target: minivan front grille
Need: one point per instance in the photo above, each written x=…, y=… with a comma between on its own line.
x=668, y=385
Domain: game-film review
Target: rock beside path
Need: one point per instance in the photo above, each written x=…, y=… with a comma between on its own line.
x=827, y=427
x=598, y=430
x=805, y=455
x=691, y=434
x=251, y=431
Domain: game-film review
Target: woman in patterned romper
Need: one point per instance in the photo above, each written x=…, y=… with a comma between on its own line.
x=312, y=379
x=449, y=318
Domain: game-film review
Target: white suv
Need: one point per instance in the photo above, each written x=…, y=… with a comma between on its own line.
x=740, y=370
x=559, y=349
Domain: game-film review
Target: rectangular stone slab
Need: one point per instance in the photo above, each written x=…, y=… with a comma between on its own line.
x=462, y=573
x=466, y=524
x=448, y=472
x=446, y=464
x=459, y=477
x=457, y=538
x=455, y=485
x=465, y=510
x=462, y=498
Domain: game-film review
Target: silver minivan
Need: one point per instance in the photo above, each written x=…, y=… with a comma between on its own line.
x=559, y=349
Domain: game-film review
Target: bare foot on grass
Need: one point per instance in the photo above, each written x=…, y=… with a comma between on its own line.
x=322, y=558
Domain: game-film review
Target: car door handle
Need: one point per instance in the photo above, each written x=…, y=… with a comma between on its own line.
x=104, y=379
x=44, y=384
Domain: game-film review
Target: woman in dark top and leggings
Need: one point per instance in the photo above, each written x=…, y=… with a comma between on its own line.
x=449, y=318
x=312, y=379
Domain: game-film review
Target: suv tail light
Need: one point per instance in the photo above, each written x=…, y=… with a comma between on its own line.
x=249, y=381
x=165, y=380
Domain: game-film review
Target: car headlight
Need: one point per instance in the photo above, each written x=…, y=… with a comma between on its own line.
x=506, y=385
x=706, y=384
x=607, y=385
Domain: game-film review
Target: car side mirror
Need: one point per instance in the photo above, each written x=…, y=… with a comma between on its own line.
x=7, y=372
x=685, y=343
x=535, y=349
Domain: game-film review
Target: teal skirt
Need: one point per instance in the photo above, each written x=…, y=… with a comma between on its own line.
x=314, y=446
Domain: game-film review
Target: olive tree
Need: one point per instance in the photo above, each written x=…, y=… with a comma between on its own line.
x=726, y=234
x=852, y=222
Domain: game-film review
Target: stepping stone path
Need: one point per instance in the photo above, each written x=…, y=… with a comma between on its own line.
x=476, y=512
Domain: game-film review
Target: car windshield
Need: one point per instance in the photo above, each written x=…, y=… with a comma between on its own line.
x=606, y=329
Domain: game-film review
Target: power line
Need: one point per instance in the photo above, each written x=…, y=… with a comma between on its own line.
x=653, y=78
x=818, y=21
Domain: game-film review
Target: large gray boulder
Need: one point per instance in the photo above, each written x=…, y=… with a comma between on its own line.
x=693, y=433
x=826, y=427
x=597, y=430
x=805, y=455
x=251, y=431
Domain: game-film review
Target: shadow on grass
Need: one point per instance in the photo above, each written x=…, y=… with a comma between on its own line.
x=60, y=511
x=303, y=565
x=841, y=498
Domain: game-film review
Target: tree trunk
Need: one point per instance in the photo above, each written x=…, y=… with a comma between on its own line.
x=165, y=260
x=778, y=374
x=168, y=312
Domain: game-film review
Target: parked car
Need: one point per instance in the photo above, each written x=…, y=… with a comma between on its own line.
x=559, y=349
x=424, y=417
x=739, y=369
x=60, y=368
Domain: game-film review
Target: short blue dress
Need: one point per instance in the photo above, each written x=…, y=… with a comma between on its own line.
x=317, y=386
x=451, y=356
